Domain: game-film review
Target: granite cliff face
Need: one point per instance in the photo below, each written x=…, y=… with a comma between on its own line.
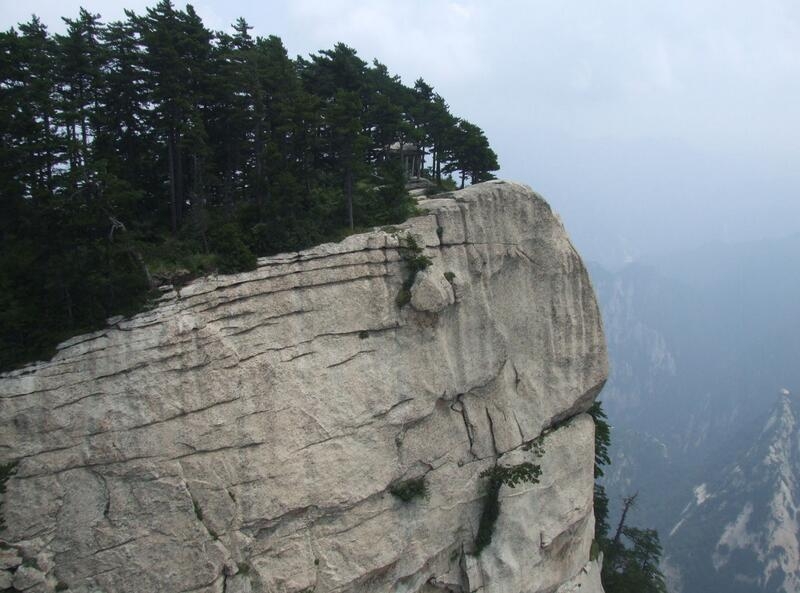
x=244, y=434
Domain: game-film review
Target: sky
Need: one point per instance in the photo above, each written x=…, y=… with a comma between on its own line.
x=649, y=126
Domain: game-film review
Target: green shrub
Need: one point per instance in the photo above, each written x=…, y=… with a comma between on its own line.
x=491, y=511
x=408, y=490
x=403, y=298
x=536, y=446
x=513, y=475
x=6, y=471
x=233, y=255
x=499, y=475
x=415, y=261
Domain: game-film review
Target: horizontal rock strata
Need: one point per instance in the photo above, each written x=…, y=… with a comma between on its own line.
x=247, y=432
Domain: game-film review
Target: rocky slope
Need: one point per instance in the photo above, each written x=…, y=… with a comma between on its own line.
x=740, y=532
x=246, y=433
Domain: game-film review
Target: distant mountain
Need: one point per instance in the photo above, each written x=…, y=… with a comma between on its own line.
x=697, y=342
x=740, y=532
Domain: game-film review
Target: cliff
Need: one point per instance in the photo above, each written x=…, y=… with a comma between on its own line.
x=247, y=432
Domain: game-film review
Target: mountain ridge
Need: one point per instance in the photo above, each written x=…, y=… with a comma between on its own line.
x=749, y=513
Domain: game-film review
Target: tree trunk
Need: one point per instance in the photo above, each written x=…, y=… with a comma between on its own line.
x=627, y=503
x=180, y=191
x=84, y=133
x=172, y=193
x=73, y=161
x=197, y=182
x=348, y=188
x=437, y=167
x=49, y=153
x=259, y=182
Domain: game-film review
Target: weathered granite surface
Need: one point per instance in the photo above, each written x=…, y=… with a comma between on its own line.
x=586, y=581
x=243, y=435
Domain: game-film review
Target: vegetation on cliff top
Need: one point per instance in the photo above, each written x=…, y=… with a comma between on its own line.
x=153, y=149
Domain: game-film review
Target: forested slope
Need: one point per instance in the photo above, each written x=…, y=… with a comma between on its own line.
x=145, y=151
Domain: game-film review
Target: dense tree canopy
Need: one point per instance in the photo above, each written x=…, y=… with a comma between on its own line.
x=144, y=151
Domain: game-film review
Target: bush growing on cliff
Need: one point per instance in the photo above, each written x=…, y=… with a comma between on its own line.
x=408, y=490
x=6, y=471
x=233, y=254
x=489, y=515
x=415, y=261
x=497, y=476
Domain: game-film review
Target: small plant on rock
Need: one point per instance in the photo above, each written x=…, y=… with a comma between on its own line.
x=513, y=475
x=499, y=475
x=403, y=298
x=408, y=490
x=6, y=471
x=415, y=261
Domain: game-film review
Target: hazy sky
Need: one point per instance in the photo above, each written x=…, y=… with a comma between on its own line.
x=649, y=126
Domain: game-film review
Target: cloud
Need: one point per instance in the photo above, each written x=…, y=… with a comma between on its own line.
x=430, y=39
x=50, y=11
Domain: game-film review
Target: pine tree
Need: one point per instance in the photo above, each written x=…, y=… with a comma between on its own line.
x=124, y=130
x=347, y=142
x=602, y=442
x=471, y=154
x=79, y=81
x=631, y=558
x=148, y=150
x=16, y=170
x=178, y=47
x=37, y=108
x=437, y=125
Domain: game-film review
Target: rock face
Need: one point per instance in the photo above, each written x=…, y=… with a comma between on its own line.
x=247, y=432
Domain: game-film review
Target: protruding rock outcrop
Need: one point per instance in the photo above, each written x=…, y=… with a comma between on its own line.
x=246, y=433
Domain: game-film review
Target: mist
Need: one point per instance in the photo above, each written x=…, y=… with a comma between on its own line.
x=650, y=129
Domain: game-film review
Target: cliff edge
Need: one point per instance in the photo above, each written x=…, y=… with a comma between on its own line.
x=247, y=433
